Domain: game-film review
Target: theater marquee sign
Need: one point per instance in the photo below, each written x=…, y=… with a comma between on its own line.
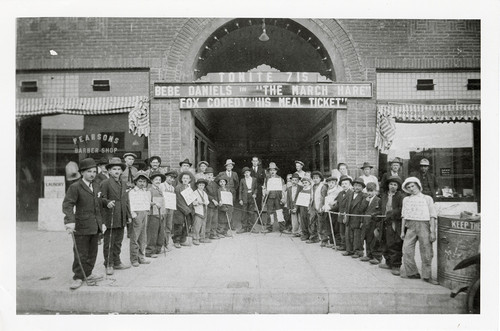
x=262, y=90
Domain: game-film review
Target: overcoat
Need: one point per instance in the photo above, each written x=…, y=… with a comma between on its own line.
x=117, y=191
x=87, y=214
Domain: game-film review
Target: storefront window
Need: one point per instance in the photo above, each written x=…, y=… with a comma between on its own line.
x=449, y=149
x=68, y=138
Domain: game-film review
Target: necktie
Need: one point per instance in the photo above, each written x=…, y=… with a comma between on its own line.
x=90, y=186
x=130, y=175
x=255, y=169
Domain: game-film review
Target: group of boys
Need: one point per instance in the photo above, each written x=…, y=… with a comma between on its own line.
x=337, y=209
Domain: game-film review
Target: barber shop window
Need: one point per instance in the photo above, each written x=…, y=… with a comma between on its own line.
x=449, y=148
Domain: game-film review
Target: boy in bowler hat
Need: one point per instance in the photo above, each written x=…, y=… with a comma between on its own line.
x=168, y=186
x=82, y=210
x=317, y=226
x=116, y=215
x=212, y=190
x=354, y=224
x=183, y=214
x=200, y=213
x=225, y=213
x=368, y=224
x=275, y=198
x=342, y=205
x=138, y=235
x=292, y=194
x=185, y=167
x=155, y=232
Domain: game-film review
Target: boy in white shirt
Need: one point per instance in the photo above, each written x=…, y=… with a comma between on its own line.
x=200, y=212
x=367, y=176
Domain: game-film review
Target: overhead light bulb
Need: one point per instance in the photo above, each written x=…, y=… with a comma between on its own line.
x=264, y=36
x=52, y=52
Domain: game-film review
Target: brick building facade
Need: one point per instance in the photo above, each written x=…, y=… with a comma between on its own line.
x=135, y=53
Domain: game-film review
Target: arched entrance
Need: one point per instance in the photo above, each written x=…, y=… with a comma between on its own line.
x=279, y=134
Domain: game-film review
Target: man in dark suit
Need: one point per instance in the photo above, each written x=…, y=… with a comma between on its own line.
x=342, y=205
x=247, y=194
x=428, y=180
x=390, y=205
x=232, y=176
x=395, y=170
x=292, y=194
x=116, y=215
x=369, y=224
x=357, y=206
x=258, y=172
x=129, y=172
x=82, y=210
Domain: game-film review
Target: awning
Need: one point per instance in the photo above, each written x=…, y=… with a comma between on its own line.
x=431, y=112
x=136, y=106
x=389, y=114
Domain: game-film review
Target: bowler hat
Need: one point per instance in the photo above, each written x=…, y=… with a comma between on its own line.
x=229, y=161
x=201, y=180
x=394, y=179
x=411, y=180
x=115, y=161
x=396, y=160
x=157, y=173
x=299, y=162
x=424, y=162
x=140, y=174
x=317, y=173
x=129, y=154
x=329, y=179
x=360, y=181
x=87, y=164
x=102, y=160
x=185, y=161
x=202, y=162
x=154, y=157
x=72, y=171
x=209, y=170
x=272, y=165
x=344, y=177
x=245, y=169
x=366, y=165
x=221, y=177
x=295, y=175
x=171, y=173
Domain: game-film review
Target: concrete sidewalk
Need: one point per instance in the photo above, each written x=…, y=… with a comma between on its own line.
x=250, y=273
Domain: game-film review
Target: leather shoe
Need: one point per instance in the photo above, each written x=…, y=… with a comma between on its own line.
x=395, y=272
x=196, y=242
x=415, y=276
x=341, y=249
x=95, y=277
x=76, y=283
x=144, y=261
x=214, y=237
x=431, y=281
x=177, y=245
x=121, y=266
x=241, y=231
x=205, y=241
x=384, y=266
x=185, y=244
x=364, y=259
x=355, y=256
x=109, y=271
x=304, y=238
x=153, y=256
x=135, y=264
x=347, y=253
x=374, y=261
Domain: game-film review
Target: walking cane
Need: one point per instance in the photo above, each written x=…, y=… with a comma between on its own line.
x=110, y=238
x=164, y=231
x=80, y=262
x=229, y=223
x=331, y=227
x=259, y=214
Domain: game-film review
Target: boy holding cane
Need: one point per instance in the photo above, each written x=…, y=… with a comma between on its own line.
x=82, y=210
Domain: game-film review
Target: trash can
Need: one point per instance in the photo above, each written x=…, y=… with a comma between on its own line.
x=458, y=239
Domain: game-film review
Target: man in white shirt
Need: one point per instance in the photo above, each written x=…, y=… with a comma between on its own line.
x=367, y=176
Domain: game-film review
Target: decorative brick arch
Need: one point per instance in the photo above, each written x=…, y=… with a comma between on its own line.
x=180, y=60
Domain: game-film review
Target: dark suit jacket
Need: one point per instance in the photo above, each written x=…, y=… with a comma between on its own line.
x=243, y=190
x=260, y=175
x=183, y=209
x=397, y=205
x=358, y=206
x=233, y=183
x=372, y=208
x=291, y=200
x=111, y=190
x=87, y=216
x=433, y=184
x=212, y=190
x=343, y=204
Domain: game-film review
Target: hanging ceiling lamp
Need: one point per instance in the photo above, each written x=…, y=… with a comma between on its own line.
x=264, y=36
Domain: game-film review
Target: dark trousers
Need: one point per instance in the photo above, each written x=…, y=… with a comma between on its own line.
x=115, y=236
x=247, y=217
x=211, y=227
x=324, y=229
x=304, y=221
x=87, y=251
x=288, y=219
x=224, y=218
x=155, y=234
x=272, y=205
x=181, y=230
x=341, y=230
x=393, y=251
x=313, y=225
x=369, y=238
x=353, y=239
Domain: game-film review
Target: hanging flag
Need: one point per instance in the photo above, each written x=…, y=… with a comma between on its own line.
x=138, y=118
x=385, y=132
